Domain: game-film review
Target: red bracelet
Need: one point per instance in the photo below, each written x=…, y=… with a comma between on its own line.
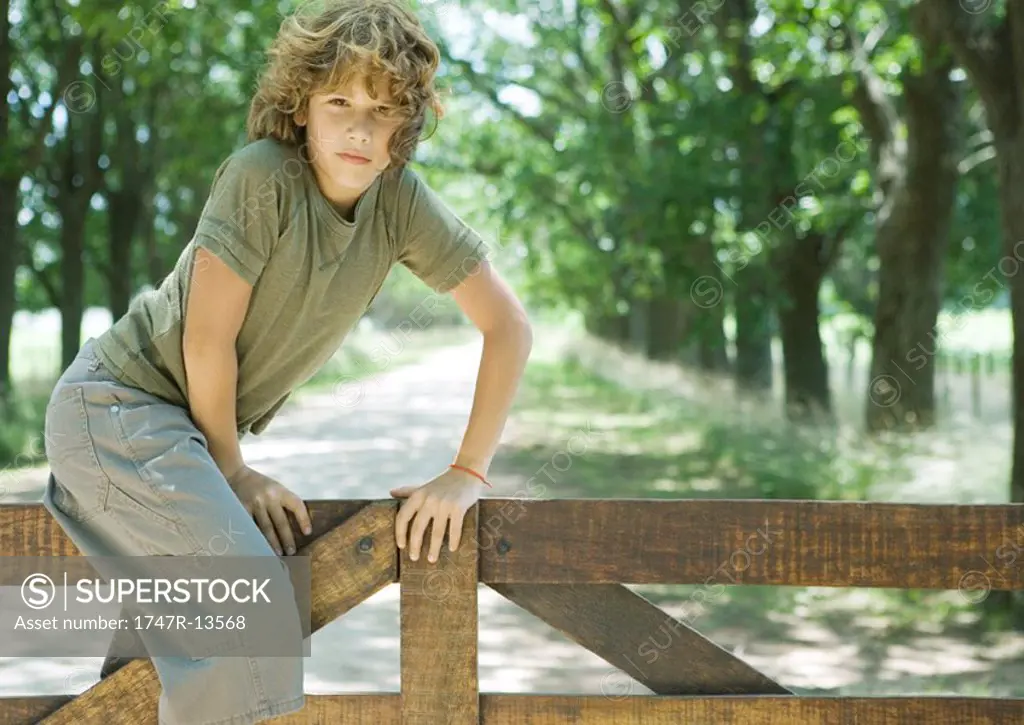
x=471, y=472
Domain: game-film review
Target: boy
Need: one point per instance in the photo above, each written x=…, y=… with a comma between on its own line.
x=300, y=230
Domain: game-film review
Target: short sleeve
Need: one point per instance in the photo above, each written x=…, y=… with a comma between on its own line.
x=435, y=244
x=239, y=223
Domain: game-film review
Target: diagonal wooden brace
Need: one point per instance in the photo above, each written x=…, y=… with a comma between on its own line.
x=631, y=633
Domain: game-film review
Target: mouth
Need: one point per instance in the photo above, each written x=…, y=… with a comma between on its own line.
x=353, y=158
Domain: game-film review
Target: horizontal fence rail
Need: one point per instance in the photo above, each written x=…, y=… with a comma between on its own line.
x=507, y=709
x=795, y=543
x=566, y=563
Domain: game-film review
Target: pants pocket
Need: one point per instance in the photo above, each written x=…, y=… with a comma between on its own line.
x=138, y=415
x=156, y=533
x=80, y=485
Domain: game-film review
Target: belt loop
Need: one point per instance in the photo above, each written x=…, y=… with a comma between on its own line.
x=89, y=353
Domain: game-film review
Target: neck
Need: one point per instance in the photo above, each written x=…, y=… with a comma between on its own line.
x=344, y=199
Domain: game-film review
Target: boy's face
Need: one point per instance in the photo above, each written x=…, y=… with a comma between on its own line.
x=348, y=133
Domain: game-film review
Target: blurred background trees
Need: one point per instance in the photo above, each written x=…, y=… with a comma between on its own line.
x=755, y=189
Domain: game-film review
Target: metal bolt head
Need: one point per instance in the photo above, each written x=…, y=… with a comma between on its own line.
x=503, y=546
x=365, y=543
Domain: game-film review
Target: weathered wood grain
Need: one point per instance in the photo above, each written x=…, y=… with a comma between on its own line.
x=29, y=710
x=715, y=543
x=640, y=639
x=29, y=530
x=548, y=710
x=798, y=543
x=502, y=709
x=439, y=632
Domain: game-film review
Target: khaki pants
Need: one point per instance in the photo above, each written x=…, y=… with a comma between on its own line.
x=131, y=475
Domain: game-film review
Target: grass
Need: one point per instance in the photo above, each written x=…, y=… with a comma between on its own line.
x=667, y=447
x=21, y=427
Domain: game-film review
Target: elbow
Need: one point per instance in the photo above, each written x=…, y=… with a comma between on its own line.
x=515, y=331
x=527, y=332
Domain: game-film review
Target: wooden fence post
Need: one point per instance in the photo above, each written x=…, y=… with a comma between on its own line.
x=439, y=632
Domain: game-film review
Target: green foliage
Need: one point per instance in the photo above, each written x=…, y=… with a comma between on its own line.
x=612, y=137
x=21, y=429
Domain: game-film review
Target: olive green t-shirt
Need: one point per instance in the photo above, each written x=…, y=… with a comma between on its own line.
x=313, y=272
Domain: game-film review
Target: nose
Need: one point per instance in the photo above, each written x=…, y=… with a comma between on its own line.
x=359, y=131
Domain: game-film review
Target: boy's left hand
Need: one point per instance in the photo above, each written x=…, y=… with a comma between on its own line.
x=445, y=500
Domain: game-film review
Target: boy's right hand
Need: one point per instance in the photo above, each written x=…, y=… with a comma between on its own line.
x=266, y=501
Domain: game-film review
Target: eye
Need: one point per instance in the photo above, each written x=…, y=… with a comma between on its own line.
x=338, y=102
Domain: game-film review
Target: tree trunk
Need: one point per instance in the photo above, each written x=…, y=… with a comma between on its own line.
x=639, y=324
x=75, y=177
x=8, y=267
x=712, y=353
x=666, y=337
x=1010, y=161
x=607, y=326
x=987, y=53
x=1010, y=270
x=805, y=368
x=752, y=298
x=801, y=259
x=8, y=212
x=603, y=320
x=753, y=329
x=123, y=220
x=707, y=293
x=72, y=276
x=912, y=242
x=155, y=271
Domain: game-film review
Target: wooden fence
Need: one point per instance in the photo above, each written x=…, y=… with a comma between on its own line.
x=565, y=561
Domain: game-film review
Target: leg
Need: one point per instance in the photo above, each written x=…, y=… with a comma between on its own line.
x=120, y=643
x=132, y=477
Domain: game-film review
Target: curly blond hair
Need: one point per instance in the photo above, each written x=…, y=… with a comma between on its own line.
x=323, y=45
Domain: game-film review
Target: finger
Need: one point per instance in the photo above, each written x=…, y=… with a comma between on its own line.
x=405, y=513
x=437, y=535
x=284, y=527
x=297, y=506
x=419, y=526
x=263, y=521
x=455, y=529
x=403, y=491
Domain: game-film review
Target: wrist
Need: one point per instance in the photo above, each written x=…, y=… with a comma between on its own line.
x=231, y=470
x=470, y=471
x=474, y=463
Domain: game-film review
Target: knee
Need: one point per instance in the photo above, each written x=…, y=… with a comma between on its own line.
x=229, y=689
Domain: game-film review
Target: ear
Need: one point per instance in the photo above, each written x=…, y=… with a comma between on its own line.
x=300, y=116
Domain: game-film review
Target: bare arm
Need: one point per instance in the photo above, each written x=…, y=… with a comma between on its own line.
x=488, y=301
x=217, y=303
x=491, y=305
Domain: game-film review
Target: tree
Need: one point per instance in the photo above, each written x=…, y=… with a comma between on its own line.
x=916, y=175
x=989, y=48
